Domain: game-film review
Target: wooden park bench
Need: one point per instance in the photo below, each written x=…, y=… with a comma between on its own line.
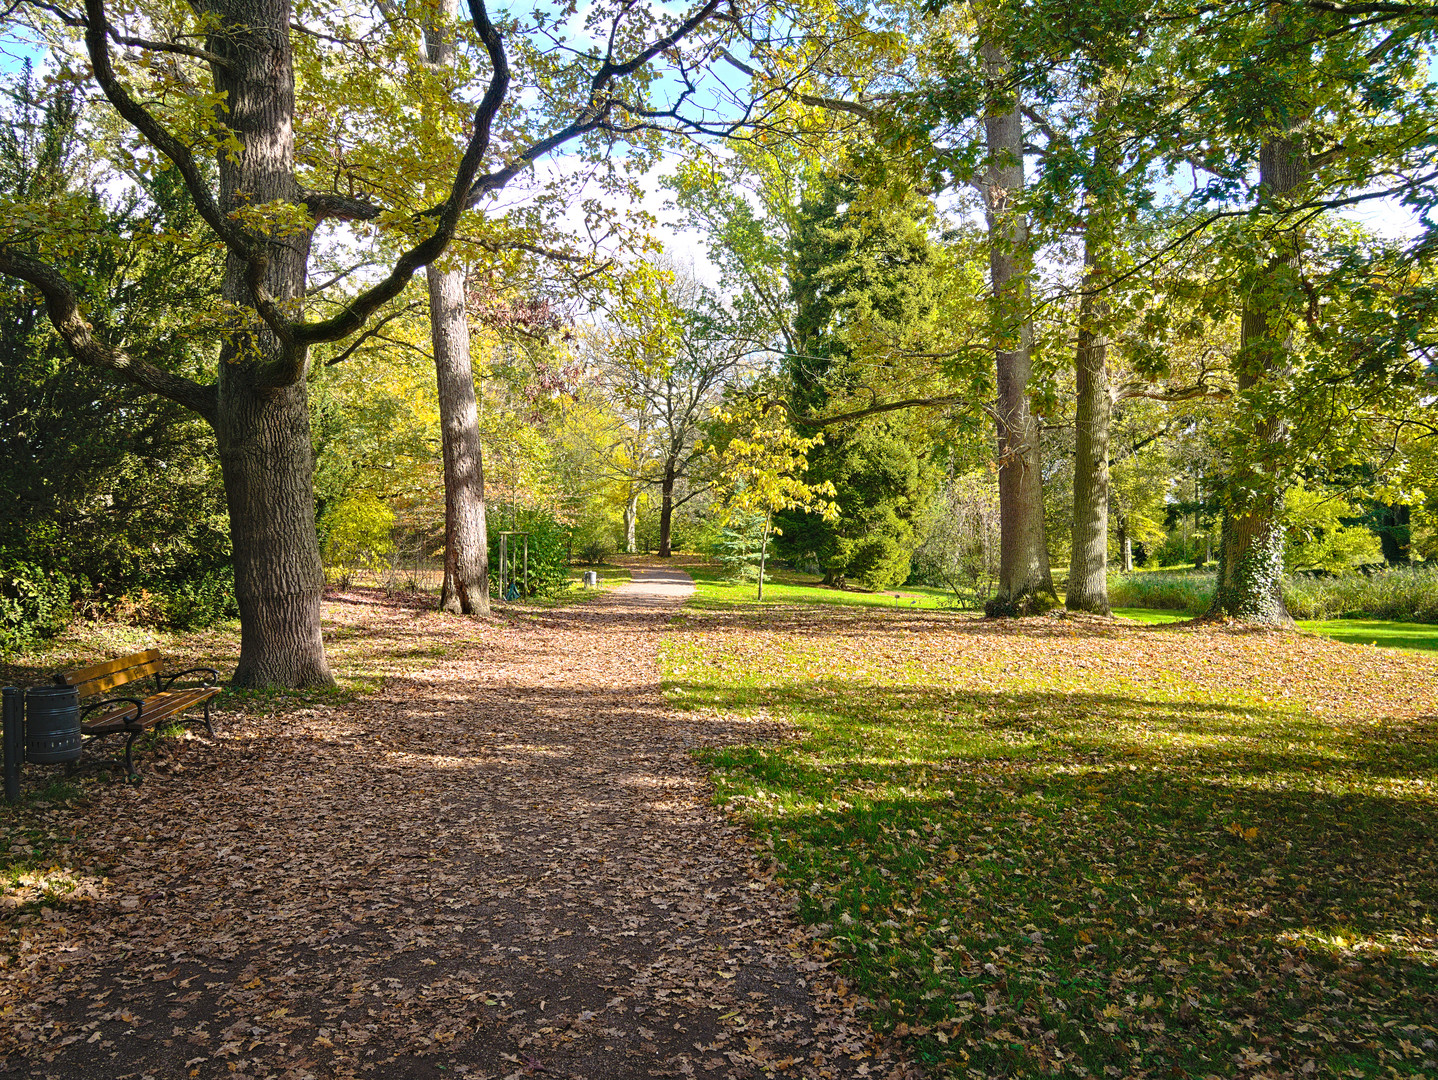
x=136, y=711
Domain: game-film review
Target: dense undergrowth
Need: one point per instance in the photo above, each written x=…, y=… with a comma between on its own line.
x=1403, y=594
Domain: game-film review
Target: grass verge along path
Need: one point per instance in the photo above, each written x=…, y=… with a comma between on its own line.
x=1388, y=635
x=1072, y=847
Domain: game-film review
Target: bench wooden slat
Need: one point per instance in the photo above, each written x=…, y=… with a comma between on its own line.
x=157, y=710
x=76, y=676
x=117, y=678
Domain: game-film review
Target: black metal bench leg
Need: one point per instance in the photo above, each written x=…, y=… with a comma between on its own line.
x=209, y=726
x=130, y=774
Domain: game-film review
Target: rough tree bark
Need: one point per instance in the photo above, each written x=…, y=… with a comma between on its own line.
x=1250, y=553
x=466, y=538
x=263, y=430
x=1025, y=580
x=1088, y=563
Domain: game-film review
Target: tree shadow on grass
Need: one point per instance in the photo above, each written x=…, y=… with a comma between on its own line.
x=875, y=730
x=1262, y=880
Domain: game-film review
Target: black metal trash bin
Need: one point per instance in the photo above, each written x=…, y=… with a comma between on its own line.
x=52, y=725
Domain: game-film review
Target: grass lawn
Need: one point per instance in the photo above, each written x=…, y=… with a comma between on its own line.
x=791, y=587
x=1151, y=616
x=1391, y=635
x=1048, y=846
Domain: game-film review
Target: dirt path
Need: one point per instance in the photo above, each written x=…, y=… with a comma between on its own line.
x=502, y=865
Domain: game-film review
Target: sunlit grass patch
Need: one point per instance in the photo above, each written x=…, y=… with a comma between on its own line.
x=1048, y=848
x=791, y=587
x=1390, y=635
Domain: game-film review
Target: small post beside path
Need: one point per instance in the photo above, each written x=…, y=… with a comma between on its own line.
x=14, y=741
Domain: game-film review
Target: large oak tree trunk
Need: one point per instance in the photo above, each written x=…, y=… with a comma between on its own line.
x=466, y=537
x=1025, y=581
x=263, y=431
x=666, y=509
x=1250, y=555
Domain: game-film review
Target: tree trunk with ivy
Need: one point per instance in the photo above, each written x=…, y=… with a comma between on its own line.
x=1250, y=555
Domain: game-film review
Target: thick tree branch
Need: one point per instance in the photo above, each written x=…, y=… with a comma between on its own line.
x=63, y=306
x=328, y=204
x=1200, y=391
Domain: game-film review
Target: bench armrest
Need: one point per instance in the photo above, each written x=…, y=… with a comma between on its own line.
x=166, y=680
x=129, y=721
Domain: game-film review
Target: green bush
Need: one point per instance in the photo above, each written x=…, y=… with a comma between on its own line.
x=204, y=600
x=1400, y=594
x=689, y=533
x=739, y=547
x=34, y=601
x=358, y=532
x=548, y=551
x=591, y=539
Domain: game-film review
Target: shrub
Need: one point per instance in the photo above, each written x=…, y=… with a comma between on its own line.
x=1399, y=594
x=548, y=551
x=358, y=532
x=739, y=547
x=960, y=551
x=690, y=533
x=591, y=539
x=1190, y=592
x=34, y=601
x=203, y=600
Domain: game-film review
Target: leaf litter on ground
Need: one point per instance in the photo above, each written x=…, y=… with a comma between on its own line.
x=1060, y=846
x=503, y=862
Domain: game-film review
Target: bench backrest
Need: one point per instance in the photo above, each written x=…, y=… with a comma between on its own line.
x=97, y=678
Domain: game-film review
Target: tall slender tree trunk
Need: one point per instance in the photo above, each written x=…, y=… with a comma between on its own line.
x=1088, y=566
x=1025, y=580
x=1250, y=551
x=666, y=509
x=466, y=537
x=631, y=520
x=1125, y=544
x=764, y=553
x=263, y=430
x=1088, y=563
